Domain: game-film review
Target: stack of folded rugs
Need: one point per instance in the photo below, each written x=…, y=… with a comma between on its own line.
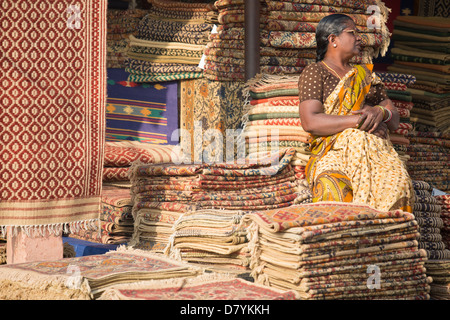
x=444, y=201
x=116, y=223
x=439, y=270
x=287, y=36
x=86, y=278
x=163, y=193
x=120, y=155
x=291, y=25
x=427, y=211
x=429, y=157
x=170, y=41
x=272, y=122
x=333, y=250
x=225, y=50
x=421, y=49
x=121, y=25
x=396, y=85
x=212, y=238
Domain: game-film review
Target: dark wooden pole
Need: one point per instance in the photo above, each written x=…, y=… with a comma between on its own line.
x=252, y=38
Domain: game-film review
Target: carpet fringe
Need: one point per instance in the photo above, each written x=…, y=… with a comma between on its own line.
x=55, y=229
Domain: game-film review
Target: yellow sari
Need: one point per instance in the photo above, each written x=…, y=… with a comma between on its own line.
x=353, y=165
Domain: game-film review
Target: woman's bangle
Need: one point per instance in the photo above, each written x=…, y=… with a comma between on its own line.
x=389, y=116
x=382, y=109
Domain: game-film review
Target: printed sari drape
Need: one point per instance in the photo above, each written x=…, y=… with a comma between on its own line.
x=353, y=165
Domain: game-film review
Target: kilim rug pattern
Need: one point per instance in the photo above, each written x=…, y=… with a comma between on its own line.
x=332, y=250
x=140, y=112
x=53, y=88
x=86, y=277
x=204, y=287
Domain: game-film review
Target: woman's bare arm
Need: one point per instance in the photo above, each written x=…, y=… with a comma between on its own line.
x=318, y=123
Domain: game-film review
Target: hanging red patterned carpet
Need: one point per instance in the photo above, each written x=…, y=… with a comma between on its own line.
x=52, y=117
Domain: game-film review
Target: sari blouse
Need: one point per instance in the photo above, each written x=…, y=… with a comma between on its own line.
x=316, y=82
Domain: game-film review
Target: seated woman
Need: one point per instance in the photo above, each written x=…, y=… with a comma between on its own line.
x=346, y=110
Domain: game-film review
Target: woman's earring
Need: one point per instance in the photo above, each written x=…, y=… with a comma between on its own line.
x=335, y=45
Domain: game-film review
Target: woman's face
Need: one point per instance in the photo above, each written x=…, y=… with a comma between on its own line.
x=350, y=40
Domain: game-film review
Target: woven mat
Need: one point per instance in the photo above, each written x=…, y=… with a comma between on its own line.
x=68, y=94
x=87, y=277
x=205, y=287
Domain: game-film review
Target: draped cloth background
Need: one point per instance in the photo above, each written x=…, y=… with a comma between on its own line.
x=52, y=112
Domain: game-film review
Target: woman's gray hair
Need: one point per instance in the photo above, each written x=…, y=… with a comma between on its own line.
x=332, y=24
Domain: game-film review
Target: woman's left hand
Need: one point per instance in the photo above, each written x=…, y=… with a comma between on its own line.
x=370, y=118
x=381, y=131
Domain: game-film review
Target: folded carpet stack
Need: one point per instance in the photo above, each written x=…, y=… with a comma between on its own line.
x=287, y=36
x=121, y=25
x=429, y=157
x=170, y=41
x=291, y=25
x=203, y=287
x=421, y=49
x=271, y=122
x=162, y=193
x=86, y=278
x=225, y=50
x=333, y=250
x=116, y=224
x=396, y=85
x=212, y=238
x=120, y=155
x=427, y=211
x=444, y=201
x=439, y=270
